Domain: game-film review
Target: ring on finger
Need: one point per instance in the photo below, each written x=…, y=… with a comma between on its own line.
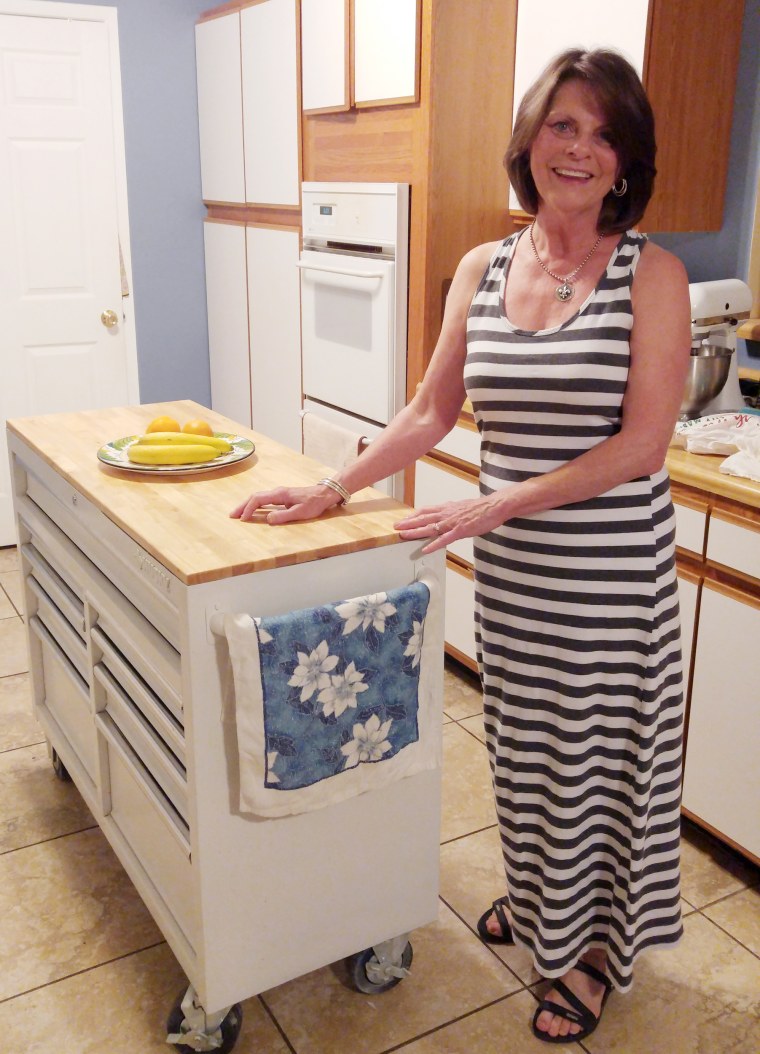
x=437, y=528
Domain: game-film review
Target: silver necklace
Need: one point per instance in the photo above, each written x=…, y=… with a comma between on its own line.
x=565, y=290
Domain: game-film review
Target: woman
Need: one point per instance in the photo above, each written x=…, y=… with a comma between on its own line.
x=571, y=340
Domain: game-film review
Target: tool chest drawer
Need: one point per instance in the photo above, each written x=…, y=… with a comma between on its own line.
x=63, y=692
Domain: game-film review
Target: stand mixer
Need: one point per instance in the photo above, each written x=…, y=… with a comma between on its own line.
x=713, y=383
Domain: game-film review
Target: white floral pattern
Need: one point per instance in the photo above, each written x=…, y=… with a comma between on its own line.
x=367, y=611
x=342, y=692
x=313, y=670
x=370, y=742
x=414, y=644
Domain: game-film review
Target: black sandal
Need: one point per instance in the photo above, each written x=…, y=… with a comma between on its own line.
x=497, y=909
x=580, y=1014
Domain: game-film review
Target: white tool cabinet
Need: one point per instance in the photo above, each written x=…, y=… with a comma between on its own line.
x=133, y=690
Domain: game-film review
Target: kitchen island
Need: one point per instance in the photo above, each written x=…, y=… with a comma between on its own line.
x=126, y=576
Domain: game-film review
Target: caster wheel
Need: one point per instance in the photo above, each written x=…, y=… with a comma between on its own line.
x=359, y=964
x=230, y=1027
x=60, y=769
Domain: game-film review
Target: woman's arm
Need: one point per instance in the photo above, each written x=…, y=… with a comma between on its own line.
x=660, y=345
x=414, y=430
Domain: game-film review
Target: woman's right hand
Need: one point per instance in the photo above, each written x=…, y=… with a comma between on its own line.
x=292, y=504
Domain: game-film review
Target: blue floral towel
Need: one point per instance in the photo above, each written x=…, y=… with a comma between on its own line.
x=329, y=696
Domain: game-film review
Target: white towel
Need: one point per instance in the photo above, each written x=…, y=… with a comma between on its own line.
x=358, y=764
x=746, y=461
x=329, y=443
x=716, y=433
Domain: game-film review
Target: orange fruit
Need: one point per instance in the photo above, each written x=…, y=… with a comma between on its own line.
x=163, y=424
x=198, y=427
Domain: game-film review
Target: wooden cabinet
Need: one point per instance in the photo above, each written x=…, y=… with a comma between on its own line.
x=689, y=74
x=254, y=326
x=220, y=108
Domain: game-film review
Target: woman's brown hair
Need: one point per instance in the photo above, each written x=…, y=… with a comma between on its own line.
x=620, y=94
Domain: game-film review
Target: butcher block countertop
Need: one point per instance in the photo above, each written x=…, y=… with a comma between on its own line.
x=702, y=472
x=183, y=520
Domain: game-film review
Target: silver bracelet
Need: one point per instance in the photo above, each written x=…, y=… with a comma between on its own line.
x=345, y=495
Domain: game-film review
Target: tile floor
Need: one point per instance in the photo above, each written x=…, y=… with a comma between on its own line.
x=84, y=970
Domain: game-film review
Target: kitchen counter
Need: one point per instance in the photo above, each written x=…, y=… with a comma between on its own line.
x=183, y=520
x=702, y=472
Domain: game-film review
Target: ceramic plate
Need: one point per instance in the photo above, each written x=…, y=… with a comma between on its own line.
x=115, y=454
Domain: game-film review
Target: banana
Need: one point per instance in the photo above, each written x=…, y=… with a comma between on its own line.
x=171, y=453
x=222, y=446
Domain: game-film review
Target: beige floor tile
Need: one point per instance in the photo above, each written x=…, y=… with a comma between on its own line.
x=452, y=974
x=7, y=610
x=710, y=871
x=504, y=1027
x=467, y=795
x=10, y=581
x=9, y=558
x=66, y=905
x=34, y=804
x=474, y=725
x=462, y=696
x=698, y=998
x=739, y=915
x=472, y=877
x=18, y=727
x=118, y=1008
x=14, y=657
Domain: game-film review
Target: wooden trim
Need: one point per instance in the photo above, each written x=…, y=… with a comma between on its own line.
x=450, y=464
x=736, y=513
x=269, y=215
x=724, y=839
x=689, y=566
x=460, y=657
x=462, y=567
x=689, y=497
x=732, y=584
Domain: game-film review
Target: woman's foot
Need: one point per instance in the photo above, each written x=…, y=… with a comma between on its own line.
x=495, y=926
x=590, y=991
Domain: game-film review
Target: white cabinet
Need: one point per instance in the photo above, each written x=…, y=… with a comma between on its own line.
x=688, y=594
x=275, y=333
x=255, y=327
x=386, y=49
x=722, y=775
x=220, y=108
x=325, y=56
x=271, y=106
x=227, y=304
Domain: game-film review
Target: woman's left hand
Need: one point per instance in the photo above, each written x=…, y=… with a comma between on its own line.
x=446, y=523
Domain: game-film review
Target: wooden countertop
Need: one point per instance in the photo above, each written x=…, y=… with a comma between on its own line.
x=183, y=521
x=702, y=471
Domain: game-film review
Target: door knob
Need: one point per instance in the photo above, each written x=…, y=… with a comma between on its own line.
x=109, y=319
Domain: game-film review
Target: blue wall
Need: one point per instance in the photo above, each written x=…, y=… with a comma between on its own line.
x=725, y=253
x=157, y=47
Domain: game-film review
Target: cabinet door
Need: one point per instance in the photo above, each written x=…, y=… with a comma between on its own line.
x=722, y=775
x=324, y=56
x=386, y=51
x=270, y=102
x=546, y=27
x=688, y=591
x=220, y=108
x=275, y=333
x=227, y=300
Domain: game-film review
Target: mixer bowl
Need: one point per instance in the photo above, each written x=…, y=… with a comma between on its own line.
x=708, y=371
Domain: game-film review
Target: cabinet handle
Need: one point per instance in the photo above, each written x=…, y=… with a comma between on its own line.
x=339, y=270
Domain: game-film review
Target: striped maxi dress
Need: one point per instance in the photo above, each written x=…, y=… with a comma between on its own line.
x=578, y=639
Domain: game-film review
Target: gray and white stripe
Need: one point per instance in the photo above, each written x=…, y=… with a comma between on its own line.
x=578, y=635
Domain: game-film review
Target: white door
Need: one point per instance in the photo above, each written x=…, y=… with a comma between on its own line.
x=62, y=176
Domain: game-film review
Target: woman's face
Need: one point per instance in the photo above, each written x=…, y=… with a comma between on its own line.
x=572, y=159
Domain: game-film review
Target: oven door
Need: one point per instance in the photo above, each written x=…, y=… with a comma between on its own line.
x=347, y=332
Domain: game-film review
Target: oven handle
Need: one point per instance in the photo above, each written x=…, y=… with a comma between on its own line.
x=339, y=270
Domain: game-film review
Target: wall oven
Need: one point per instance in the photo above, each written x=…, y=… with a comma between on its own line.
x=354, y=279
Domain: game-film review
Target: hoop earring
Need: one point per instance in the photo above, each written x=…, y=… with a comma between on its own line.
x=620, y=187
